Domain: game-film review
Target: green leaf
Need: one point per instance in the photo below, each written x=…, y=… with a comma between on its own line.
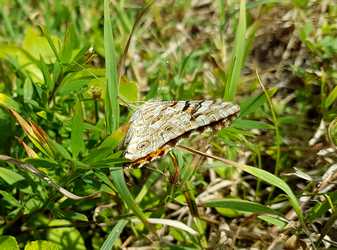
x=300, y=3
x=38, y=46
x=278, y=182
x=42, y=244
x=8, y=243
x=123, y=191
x=274, y=220
x=128, y=91
x=8, y=103
x=10, y=176
x=250, y=124
x=64, y=235
x=27, y=90
x=73, y=85
x=10, y=199
x=111, y=97
x=173, y=223
x=113, y=140
x=114, y=235
x=70, y=43
x=77, y=129
x=239, y=205
x=147, y=185
x=331, y=98
x=72, y=216
x=238, y=56
x=317, y=211
x=60, y=150
x=251, y=104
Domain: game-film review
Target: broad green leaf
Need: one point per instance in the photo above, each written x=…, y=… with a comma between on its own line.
x=114, y=235
x=76, y=81
x=8, y=103
x=38, y=46
x=8, y=243
x=67, y=237
x=128, y=91
x=9, y=51
x=21, y=59
x=41, y=245
x=10, y=176
x=10, y=199
x=73, y=86
x=27, y=90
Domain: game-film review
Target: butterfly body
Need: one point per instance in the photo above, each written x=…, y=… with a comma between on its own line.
x=157, y=126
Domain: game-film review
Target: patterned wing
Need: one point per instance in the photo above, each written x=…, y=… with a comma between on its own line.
x=155, y=124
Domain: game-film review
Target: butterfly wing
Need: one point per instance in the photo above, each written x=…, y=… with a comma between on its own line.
x=155, y=124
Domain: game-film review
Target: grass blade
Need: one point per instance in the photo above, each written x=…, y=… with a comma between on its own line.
x=240, y=205
x=173, y=223
x=114, y=235
x=111, y=98
x=238, y=56
x=261, y=174
x=123, y=191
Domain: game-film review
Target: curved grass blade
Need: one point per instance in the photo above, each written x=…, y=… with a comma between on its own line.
x=123, y=191
x=261, y=174
x=173, y=223
x=239, y=205
x=30, y=168
x=114, y=235
x=147, y=185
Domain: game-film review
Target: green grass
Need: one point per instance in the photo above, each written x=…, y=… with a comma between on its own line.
x=71, y=75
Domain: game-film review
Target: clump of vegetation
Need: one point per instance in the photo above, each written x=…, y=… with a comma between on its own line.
x=71, y=75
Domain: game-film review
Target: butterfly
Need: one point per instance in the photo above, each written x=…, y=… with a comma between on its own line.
x=157, y=126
